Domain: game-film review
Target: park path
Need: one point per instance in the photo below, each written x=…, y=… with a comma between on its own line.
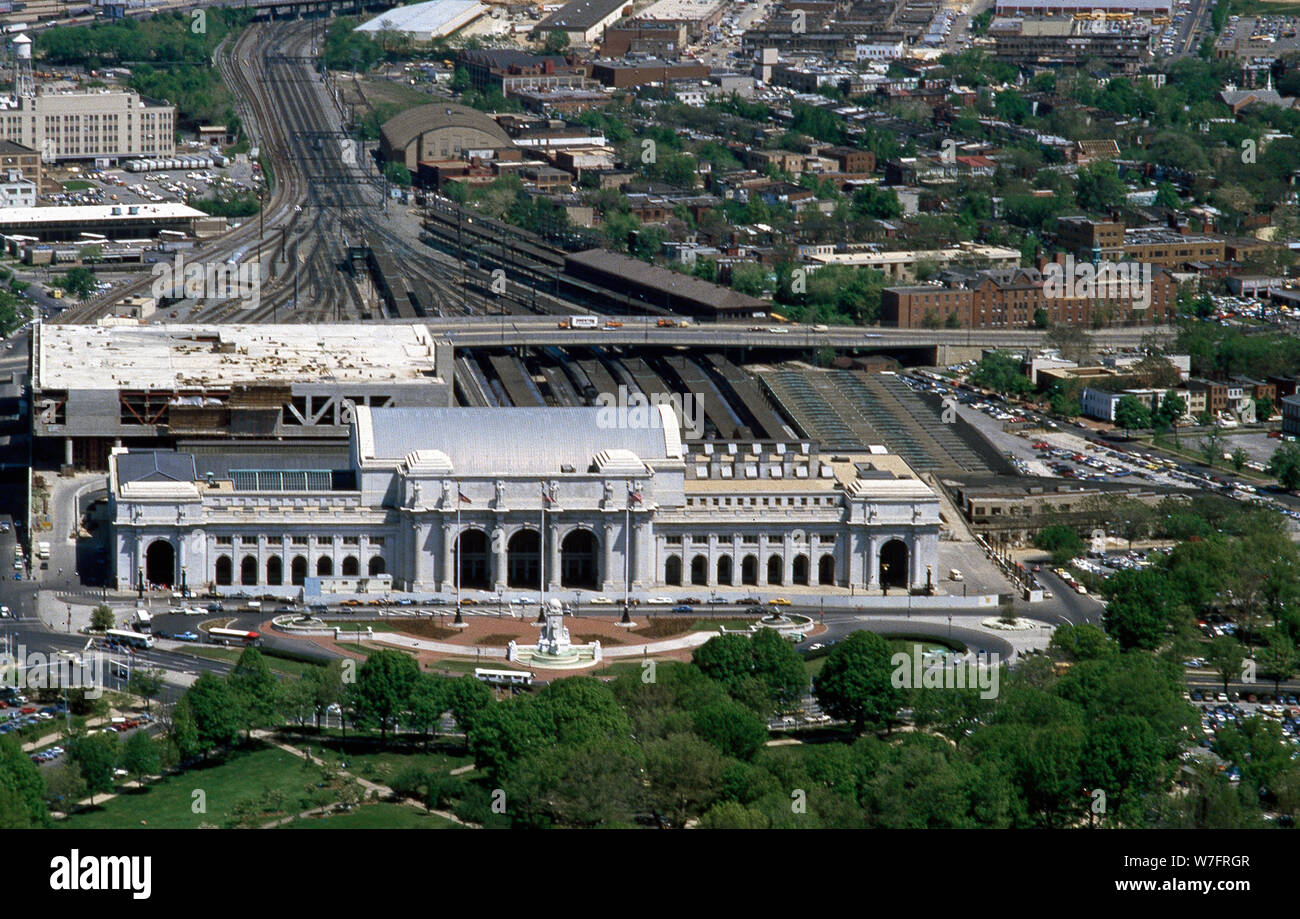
x=372, y=789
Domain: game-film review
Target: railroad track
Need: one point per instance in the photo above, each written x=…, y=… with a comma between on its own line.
x=286, y=193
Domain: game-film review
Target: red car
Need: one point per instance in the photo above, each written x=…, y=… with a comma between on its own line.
x=27, y=710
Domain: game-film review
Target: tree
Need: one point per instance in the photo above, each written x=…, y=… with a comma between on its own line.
x=397, y=174
x=856, y=682
x=1098, y=186
x=80, y=282
x=1238, y=458
x=64, y=786
x=1083, y=642
x=183, y=730
x=557, y=42
x=684, y=774
x=1131, y=412
x=1000, y=372
x=257, y=689
x=1211, y=447
x=1284, y=465
x=732, y=728
x=460, y=80
x=1226, y=656
x=145, y=682
x=1278, y=659
x=1172, y=408
x=1138, y=610
x=429, y=700
x=327, y=687
x=1070, y=341
x=22, y=790
x=102, y=618
x=96, y=756
x=467, y=697
x=140, y=756
x=1061, y=541
x=383, y=688
x=217, y=710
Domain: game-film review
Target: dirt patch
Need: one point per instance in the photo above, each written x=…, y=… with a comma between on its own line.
x=605, y=640
x=421, y=628
x=662, y=628
x=496, y=639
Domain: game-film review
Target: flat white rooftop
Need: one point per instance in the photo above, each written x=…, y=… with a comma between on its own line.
x=685, y=10
x=195, y=357
x=95, y=213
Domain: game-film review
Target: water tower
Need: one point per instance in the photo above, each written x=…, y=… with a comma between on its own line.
x=20, y=52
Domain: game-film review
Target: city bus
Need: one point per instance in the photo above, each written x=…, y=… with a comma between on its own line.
x=503, y=677
x=143, y=621
x=128, y=639
x=233, y=637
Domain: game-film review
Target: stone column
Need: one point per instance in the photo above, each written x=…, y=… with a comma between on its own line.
x=552, y=558
x=448, y=572
x=763, y=550
x=711, y=576
x=644, y=557
x=610, y=571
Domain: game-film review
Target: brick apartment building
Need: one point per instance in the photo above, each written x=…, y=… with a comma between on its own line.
x=1011, y=298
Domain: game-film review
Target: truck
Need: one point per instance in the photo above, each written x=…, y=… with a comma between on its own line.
x=580, y=322
x=42, y=549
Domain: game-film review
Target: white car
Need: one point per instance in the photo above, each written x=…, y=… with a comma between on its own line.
x=195, y=611
x=661, y=600
x=5, y=612
x=523, y=601
x=600, y=600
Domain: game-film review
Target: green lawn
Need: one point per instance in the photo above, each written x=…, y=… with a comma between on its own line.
x=77, y=185
x=378, y=765
x=280, y=665
x=382, y=816
x=259, y=781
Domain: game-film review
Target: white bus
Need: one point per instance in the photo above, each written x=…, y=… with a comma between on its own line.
x=233, y=637
x=128, y=639
x=143, y=621
x=503, y=677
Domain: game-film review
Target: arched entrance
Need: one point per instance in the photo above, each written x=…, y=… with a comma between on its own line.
x=578, y=560
x=700, y=569
x=377, y=566
x=274, y=571
x=351, y=567
x=826, y=570
x=248, y=570
x=225, y=570
x=324, y=567
x=724, y=570
x=298, y=570
x=473, y=562
x=673, y=571
x=893, y=564
x=775, y=570
x=799, y=570
x=160, y=563
x=524, y=560
x=749, y=570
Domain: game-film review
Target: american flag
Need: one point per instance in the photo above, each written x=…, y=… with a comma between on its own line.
x=546, y=494
x=634, y=496
x=463, y=497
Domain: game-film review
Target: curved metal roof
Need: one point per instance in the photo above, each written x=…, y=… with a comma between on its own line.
x=400, y=130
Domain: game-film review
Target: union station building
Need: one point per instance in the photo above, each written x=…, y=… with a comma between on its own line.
x=499, y=499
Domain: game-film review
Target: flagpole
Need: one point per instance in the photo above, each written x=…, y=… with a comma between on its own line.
x=541, y=548
x=627, y=550
x=459, y=560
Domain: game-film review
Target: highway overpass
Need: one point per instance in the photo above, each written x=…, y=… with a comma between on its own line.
x=949, y=345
